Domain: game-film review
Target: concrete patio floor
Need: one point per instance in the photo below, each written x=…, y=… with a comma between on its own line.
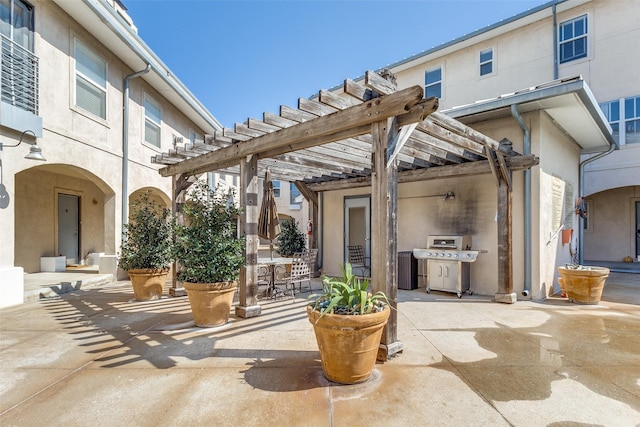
x=94, y=356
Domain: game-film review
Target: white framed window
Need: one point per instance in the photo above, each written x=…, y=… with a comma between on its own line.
x=632, y=120
x=294, y=195
x=194, y=136
x=276, y=188
x=486, y=61
x=624, y=117
x=611, y=111
x=90, y=80
x=16, y=22
x=572, y=39
x=152, y=121
x=433, y=82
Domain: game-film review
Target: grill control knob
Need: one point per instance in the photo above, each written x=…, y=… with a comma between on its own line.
x=455, y=255
x=441, y=253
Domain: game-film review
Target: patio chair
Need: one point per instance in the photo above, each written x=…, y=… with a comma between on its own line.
x=282, y=275
x=300, y=271
x=358, y=261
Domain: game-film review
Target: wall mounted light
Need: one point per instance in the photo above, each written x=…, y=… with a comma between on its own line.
x=35, y=152
x=449, y=195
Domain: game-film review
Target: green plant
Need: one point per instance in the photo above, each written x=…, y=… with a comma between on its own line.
x=207, y=245
x=290, y=239
x=347, y=295
x=146, y=239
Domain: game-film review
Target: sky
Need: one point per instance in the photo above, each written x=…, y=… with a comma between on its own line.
x=243, y=58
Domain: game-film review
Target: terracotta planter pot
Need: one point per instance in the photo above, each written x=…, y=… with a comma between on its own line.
x=584, y=286
x=148, y=283
x=210, y=302
x=348, y=344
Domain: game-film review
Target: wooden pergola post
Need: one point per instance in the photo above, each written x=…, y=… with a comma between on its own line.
x=505, y=256
x=248, y=304
x=384, y=233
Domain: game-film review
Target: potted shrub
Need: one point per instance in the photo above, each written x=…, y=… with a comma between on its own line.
x=348, y=322
x=290, y=239
x=583, y=284
x=209, y=253
x=145, y=252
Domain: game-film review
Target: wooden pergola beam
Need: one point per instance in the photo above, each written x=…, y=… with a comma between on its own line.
x=451, y=171
x=342, y=124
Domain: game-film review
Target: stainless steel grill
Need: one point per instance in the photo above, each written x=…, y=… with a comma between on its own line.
x=447, y=261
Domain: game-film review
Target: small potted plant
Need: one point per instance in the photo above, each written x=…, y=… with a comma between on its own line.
x=145, y=252
x=290, y=239
x=209, y=253
x=348, y=321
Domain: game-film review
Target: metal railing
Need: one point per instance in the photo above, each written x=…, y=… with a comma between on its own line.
x=19, y=76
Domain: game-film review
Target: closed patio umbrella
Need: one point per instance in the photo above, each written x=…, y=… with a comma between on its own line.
x=268, y=225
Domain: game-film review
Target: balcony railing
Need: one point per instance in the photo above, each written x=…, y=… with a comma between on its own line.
x=19, y=76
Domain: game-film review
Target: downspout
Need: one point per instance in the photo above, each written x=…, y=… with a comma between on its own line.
x=527, y=202
x=611, y=148
x=125, y=146
x=555, y=42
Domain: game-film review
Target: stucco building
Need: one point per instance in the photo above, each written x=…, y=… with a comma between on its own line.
x=565, y=68
x=79, y=82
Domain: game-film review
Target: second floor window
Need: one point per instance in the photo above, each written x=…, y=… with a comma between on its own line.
x=572, y=39
x=16, y=22
x=611, y=111
x=294, y=194
x=624, y=117
x=632, y=120
x=152, y=121
x=276, y=188
x=91, y=81
x=486, y=61
x=433, y=83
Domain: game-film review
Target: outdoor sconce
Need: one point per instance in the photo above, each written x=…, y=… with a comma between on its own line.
x=35, y=152
x=449, y=195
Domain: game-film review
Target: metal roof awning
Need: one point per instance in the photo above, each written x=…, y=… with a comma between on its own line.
x=569, y=102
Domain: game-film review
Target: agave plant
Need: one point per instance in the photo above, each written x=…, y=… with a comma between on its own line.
x=347, y=295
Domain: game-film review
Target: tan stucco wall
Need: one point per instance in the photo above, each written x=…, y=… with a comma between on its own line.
x=36, y=227
x=611, y=235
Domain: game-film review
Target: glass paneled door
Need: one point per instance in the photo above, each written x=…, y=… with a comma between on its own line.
x=357, y=225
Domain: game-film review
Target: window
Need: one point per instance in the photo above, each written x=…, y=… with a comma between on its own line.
x=611, y=111
x=194, y=136
x=433, y=83
x=294, y=194
x=91, y=81
x=276, y=188
x=152, y=121
x=632, y=120
x=572, y=39
x=486, y=61
x=16, y=22
x=624, y=117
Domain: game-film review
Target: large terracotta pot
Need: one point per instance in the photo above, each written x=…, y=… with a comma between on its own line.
x=348, y=344
x=148, y=283
x=210, y=302
x=583, y=285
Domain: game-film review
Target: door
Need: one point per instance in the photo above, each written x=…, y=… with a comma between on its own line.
x=69, y=227
x=357, y=225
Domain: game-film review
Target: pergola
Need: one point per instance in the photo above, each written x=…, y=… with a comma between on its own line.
x=370, y=135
